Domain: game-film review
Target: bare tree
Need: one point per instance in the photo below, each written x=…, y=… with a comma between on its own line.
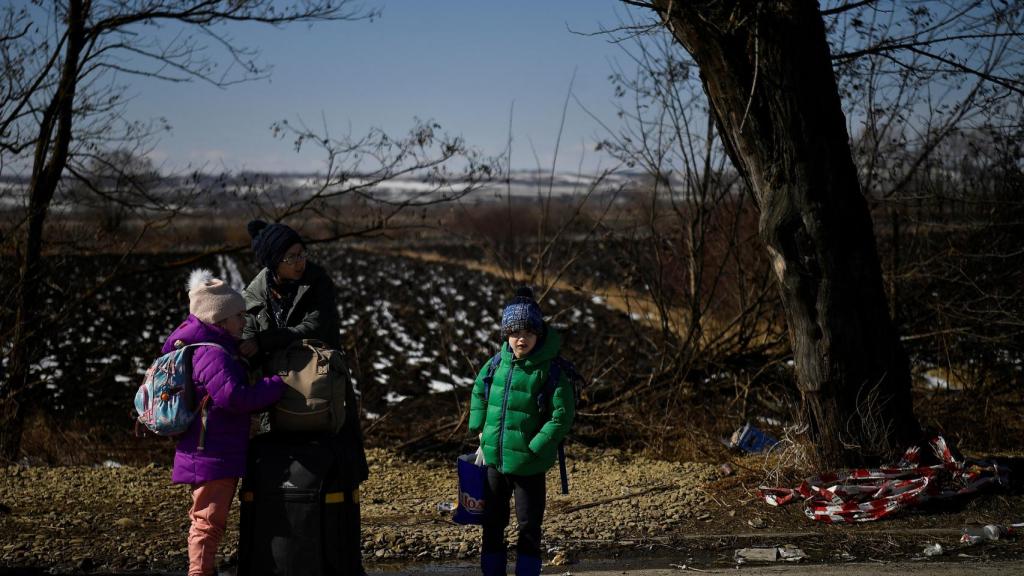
x=785, y=131
x=353, y=196
x=767, y=70
x=61, y=98
x=112, y=185
x=707, y=288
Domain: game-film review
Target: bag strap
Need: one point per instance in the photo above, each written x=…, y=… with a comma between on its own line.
x=314, y=343
x=189, y=394
x=492, y=367
x=554, y=375
x=204, y=411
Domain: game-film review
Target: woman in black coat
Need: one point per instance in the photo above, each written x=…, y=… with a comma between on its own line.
x=292, y=299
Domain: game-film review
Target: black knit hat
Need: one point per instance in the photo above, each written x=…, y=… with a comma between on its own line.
x=271, y=241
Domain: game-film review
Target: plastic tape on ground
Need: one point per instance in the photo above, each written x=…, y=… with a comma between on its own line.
x=865, y=494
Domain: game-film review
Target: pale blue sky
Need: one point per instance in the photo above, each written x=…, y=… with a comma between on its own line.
x=462, y=63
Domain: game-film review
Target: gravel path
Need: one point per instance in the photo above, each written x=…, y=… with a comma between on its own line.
x=133, y=518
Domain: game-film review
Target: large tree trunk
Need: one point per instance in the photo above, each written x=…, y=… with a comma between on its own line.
x=767, y=72
x=51, y=154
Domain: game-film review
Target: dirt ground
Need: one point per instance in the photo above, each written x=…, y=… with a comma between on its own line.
x=666, y=567
x=622, y=507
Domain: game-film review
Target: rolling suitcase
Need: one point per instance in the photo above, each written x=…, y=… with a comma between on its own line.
x=295, y=510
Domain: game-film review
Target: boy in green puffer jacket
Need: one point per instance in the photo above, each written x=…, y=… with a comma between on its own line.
x=519, y=438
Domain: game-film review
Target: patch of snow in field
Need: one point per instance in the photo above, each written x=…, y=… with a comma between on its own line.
x=381, y=378
x=45, y=363
x=111, y=464
x=716, y=376
x=122, y=379
x=382, y=363
x=437, y=386
x=935, y=383
x=462, y=381
x=48, y=363
x=597, y=299
x=444, y=370
x=394, y=397
x=229, y=272
x=371, y=415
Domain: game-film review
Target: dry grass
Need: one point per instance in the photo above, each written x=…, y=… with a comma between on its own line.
x=77, y=443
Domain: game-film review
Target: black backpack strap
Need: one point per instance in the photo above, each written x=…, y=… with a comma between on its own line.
x=492, y=367
x=562, y=472
x=558, y=365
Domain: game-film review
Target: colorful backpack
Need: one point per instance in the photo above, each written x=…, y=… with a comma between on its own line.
x=559, y=365
x=166, y=401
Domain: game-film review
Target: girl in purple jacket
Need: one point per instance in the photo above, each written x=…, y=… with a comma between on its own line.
x=212, y=468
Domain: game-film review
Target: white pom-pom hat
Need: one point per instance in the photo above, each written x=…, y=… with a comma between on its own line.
x=212, y=300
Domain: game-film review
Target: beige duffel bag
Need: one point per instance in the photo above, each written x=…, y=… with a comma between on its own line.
x=314, y=400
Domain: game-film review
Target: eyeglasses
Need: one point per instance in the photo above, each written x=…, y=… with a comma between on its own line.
x=300, y=257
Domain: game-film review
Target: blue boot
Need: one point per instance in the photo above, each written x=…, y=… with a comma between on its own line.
x=493, y=564
x=527, y=566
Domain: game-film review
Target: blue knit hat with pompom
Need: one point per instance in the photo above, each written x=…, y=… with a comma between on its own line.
x=522, y=313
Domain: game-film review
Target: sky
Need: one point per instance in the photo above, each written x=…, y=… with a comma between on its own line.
x=463, y=63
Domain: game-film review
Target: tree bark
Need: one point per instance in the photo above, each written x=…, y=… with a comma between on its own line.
x=766, y=69
x=51, y=154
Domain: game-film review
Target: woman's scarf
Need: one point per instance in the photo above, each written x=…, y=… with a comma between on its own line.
x=282, y=296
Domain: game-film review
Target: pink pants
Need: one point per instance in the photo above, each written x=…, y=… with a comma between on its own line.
x=211, y=502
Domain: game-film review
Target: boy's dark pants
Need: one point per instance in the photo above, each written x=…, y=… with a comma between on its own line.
x=529, y=493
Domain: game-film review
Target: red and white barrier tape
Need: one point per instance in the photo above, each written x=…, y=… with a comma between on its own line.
x=865, y=494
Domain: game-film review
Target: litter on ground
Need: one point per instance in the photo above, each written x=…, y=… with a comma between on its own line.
x=866, y=494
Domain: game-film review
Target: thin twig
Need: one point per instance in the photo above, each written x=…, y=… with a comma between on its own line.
x=577, y=507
